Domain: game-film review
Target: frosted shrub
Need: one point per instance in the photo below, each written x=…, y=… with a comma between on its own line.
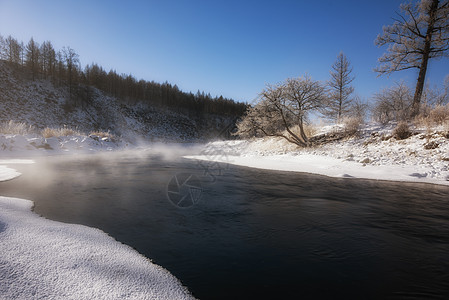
x=352, y=125
x=392, y=104
x=402, y=131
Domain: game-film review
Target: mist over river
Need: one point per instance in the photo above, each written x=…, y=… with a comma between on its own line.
x=243, y=233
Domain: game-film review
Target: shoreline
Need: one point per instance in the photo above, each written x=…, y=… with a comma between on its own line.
x=327, y=166
x=79, y=261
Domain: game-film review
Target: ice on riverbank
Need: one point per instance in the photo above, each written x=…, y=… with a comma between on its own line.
x=7, y=173
x=43, y=259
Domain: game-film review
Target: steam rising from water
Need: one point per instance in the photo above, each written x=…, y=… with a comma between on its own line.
x=89, y=169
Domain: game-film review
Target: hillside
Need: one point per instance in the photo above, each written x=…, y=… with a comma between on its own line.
x=40, y=103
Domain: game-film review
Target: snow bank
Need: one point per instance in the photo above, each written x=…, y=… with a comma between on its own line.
x=7, y=173
x=373, y=155
x=43, y=259
x=30, y=145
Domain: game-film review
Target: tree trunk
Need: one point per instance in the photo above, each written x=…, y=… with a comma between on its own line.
x=425, y=57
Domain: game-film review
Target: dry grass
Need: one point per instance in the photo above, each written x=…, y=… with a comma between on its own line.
x=65, y=131
x=439, y=115
x=13, y=127
x=309, y=130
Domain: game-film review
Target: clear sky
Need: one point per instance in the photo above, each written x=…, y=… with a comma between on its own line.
x=230, y=48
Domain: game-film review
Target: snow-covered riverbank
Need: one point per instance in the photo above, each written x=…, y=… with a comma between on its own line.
x=44, y=259
x=375, y=154
x=12, y=145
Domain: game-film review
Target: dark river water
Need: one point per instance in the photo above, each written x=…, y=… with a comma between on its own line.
x=254, y=233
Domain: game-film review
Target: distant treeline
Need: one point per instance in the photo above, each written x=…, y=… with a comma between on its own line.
x=63, y=67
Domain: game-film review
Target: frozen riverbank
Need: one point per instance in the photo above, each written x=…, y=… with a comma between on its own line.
x=374, y=154
x=44, y=259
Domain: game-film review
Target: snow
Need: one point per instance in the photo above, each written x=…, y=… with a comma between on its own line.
x=7, y=173
x=43, y=259
x=33, y=145
x=373, y=155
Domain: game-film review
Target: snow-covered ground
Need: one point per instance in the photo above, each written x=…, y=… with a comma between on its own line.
x=43, y=259
x=372, y=155
x=34, y=145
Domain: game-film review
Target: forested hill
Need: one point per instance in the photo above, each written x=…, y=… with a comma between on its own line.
x=48, y=88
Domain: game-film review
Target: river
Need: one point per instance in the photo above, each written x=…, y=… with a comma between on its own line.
x=250, y=233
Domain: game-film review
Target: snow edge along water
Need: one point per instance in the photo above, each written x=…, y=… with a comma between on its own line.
x=45, y=259
x=399, y=161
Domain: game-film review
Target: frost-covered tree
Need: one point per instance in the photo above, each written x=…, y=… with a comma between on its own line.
x=420, y=33
x=359, y=109
x=392, y=104
x=282, y=110
x=340, y=89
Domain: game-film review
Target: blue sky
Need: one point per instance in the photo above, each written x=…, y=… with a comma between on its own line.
x=230, y=48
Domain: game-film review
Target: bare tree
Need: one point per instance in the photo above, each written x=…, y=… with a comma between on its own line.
x=282, y=110
x=393, y=104
x=22, y=54
x=48, y=57
x=340, y=89
x=264, y=119
x=359, y=109
x=420, y=33
x=2, y=48
x=32, y=57
x=434, y=97
x=13, y=50
x=72, y=63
